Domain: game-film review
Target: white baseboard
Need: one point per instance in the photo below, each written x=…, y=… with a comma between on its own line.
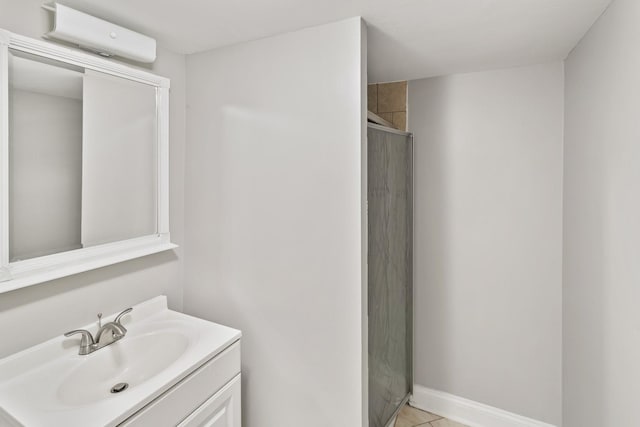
x=468, y=412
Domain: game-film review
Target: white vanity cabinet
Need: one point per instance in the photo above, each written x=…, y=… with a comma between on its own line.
x=221, y=410
x=208, y=397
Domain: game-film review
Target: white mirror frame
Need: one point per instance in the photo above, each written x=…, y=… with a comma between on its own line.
x=20, y=274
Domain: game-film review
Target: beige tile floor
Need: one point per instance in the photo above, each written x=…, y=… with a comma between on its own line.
x=411, y=417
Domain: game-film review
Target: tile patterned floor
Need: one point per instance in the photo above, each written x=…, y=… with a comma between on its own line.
x=412, y=417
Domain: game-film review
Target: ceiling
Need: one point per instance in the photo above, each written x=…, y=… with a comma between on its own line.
x=408, y=39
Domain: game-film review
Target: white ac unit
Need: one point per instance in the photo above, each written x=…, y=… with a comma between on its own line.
x=99, y=36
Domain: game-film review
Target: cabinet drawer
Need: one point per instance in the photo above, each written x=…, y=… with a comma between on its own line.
x=221, y=410
x=185, y=397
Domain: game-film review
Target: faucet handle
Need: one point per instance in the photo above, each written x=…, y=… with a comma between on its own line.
x=87, y=338
x=119, y=316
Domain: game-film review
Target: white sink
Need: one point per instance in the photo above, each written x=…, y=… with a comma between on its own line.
x=51, y=385
x=132, y=361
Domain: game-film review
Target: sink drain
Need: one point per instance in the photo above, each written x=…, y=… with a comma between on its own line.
x=119, y=387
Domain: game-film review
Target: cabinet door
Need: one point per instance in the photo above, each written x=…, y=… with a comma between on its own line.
x=221, y=410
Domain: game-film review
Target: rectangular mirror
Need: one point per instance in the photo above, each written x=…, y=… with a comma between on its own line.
x=119, y=159
x=45, y=157
x=85, y=162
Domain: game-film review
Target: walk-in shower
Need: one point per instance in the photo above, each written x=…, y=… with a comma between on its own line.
x=390, y=267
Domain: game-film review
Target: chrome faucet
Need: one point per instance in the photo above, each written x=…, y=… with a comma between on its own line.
x=89, y=343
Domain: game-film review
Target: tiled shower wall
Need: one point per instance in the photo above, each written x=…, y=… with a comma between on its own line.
x=389, y=101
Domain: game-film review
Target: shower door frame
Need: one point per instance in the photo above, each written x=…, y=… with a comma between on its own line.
x=412, y=260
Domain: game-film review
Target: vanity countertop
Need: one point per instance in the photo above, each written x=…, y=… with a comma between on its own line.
x=51, y=385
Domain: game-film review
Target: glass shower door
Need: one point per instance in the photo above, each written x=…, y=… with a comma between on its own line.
x=390, y=305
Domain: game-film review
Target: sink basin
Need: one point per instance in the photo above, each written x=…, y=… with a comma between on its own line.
x=50, y=384
x=131, y=361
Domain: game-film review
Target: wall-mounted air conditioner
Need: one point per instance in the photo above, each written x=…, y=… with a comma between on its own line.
x=98, y=35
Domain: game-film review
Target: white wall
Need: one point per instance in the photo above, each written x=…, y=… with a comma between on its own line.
x=488, y=237
x=273, y=210
x=33, y=314
x=602, y=224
